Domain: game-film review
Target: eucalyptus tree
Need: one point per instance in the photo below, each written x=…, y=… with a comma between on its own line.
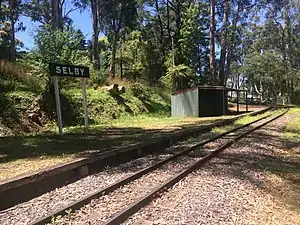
x=96, y=30
x=212, y=53
x=279, y=33
x=117, y=16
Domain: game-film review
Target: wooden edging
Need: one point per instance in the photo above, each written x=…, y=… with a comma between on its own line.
x=25, y=187
x=108, y=189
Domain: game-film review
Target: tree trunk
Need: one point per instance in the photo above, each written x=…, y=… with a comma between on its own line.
x=96, y=30
x=12, y=4
x=112, y=69
x=168, y=20
x=212, y=42
x=223, y=45
x=121, y=60
x=232, y=43
x=60, y=14
x=160, y=24
x=55, y=14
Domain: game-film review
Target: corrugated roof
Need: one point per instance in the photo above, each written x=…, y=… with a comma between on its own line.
x=221, y=88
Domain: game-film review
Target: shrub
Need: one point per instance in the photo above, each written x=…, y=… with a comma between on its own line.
x=296, y=98
x=15, y=77
x=141, y=92
x=98, y=78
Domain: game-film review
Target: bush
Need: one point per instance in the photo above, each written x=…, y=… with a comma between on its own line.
x=15, y=77
x=98, y=78
x=296, y=98
x=141, y=92
x=5, y=105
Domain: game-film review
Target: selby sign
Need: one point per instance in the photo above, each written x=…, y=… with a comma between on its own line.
x=58, y=70
x=68, y=70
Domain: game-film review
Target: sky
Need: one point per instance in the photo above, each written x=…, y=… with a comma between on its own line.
x=82, y=21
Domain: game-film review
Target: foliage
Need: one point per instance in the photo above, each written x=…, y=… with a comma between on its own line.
x=296, y=97
x=175, y=73
x=65, y=46
x=104, y=107
x=272, y=47
x=62, y=46
x=193, y=42
x=269, y=69
x=132, y=56
x=15, y=77
x=5, y=39
x=140, y=91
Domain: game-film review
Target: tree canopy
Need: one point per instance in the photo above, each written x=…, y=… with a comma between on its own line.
x=175, y=43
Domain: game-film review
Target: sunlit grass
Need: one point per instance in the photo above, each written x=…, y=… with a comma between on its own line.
x=242, y=121
x=26, y=165
x=292, y=129
x=149, y=122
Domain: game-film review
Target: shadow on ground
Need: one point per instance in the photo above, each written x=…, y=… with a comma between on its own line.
x=12, y=148
x=264, y=156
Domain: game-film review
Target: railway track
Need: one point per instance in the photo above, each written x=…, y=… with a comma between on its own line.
x=25, y=187
x=140, y=187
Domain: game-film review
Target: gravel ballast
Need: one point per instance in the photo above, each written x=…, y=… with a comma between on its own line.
x=231, y=189
x=61, y=197
x=101, y=209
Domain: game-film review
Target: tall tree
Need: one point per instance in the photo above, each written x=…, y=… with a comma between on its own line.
x=96, y=29
x=223, y=43
x=117, y=16
x=13, y=17
x=56, y=14
x=212, y=43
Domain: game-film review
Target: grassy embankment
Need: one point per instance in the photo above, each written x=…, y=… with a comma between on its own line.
x=142, y=112
x=29, y=142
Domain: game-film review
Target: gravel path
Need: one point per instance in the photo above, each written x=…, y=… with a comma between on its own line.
x=232, y=189
x=42, y=205
x=99, y=210
x=61, y=197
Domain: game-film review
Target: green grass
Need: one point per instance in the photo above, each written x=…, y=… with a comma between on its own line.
x=147, y=122
x=126, y=110
x=102, y=107
x=17, y=153
x=242, y=121
x=292, y=129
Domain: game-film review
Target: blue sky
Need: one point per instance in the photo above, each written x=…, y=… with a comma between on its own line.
x=81, y=21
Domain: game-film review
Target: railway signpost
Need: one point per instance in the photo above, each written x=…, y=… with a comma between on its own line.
x=59, y=70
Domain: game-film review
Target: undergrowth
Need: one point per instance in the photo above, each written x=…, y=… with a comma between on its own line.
x=21, y=88
x=292, y=129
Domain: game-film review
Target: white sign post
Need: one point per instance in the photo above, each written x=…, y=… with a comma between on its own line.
x=58, y=109
x=86, y=118
x=58, y=70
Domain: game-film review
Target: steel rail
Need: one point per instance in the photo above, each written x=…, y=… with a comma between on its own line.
x=124, y=214
x=106, y=190
x=22, y=188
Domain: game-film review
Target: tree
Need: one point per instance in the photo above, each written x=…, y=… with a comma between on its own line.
x=118, y=15
x=95, y=44
x=223, y=44
x=212, y=53
x=268, y=70
x=279, y=33
x=10, y=11
x=132, y=56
